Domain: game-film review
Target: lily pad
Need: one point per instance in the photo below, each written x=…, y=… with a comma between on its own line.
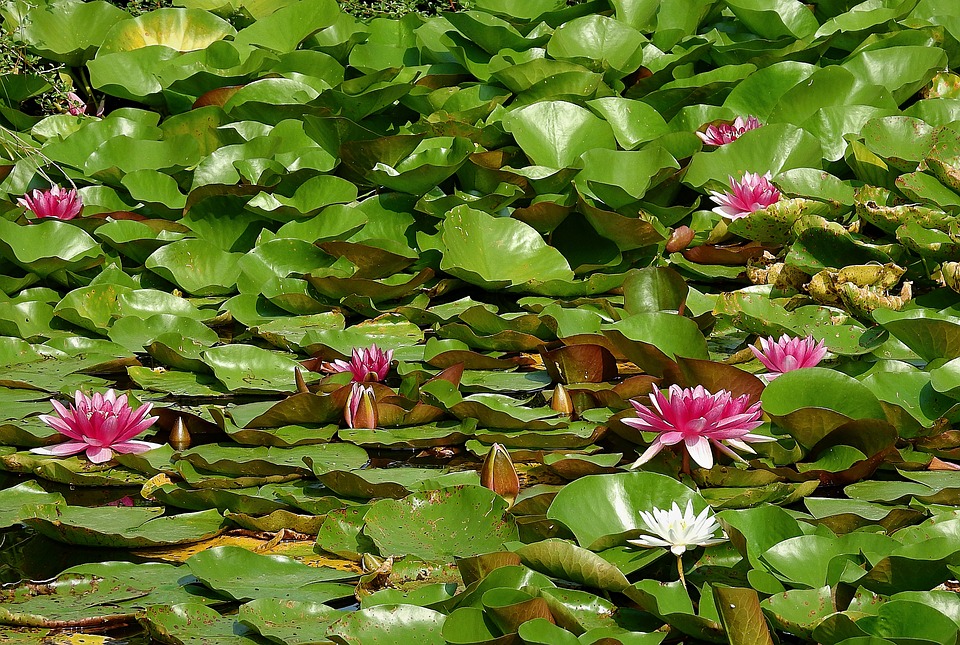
x=462, y=521
x=123, y=527
x=243, y=575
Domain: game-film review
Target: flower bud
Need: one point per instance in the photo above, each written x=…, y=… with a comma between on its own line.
x=499, y=475
x=361, y=408
x=179, y=436
x=561, y=401
x=680, y=239
x=301, y=384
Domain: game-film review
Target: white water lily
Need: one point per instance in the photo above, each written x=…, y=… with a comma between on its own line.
x=678, y=530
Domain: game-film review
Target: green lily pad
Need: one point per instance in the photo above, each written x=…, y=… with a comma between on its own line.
x=390, y=482
x=243, y=575
x=191, y=623
x=603, y=510
x=196, y=267
x=462, y=521
x=123, y=527
x=18, y=502
x=556, y=133
x=443, y=433
x=249, y=369
x=48, y=247
x=288, y=621
x=389, y=623
x=135, y=333
x=497, y=253
x=229, y=459
x=178, y=29
x=561, y=559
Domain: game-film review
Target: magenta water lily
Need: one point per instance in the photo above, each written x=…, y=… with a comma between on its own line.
x=56, y=202
x=696, y=418
x=99, y=426
x=719, y=135
x=752, y=193
x=367, y=365
x=76, y=106
x=788, y=354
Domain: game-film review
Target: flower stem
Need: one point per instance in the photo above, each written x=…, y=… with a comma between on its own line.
x=686, y=463
x=683, y=580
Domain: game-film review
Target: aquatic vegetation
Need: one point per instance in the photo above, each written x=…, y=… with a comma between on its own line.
x=361, y=408
x=499, y=474
x=366, y=365
x=679, y=530
x=445, y=339
x=99, y=426
x=787, y=354
x=752, y=193
x=57, y=203
x=724, y=133
x=698, y=419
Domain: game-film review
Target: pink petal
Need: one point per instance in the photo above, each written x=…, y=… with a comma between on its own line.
x=700, y=452
x=99, y=455
x=134, y=447
x=62, y=449
x=649, y=453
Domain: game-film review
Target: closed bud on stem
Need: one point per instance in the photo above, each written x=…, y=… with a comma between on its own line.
x=680, y=239
x=561, y=401
x=179, y=436
x=361, y=408
x=499, y=475
x=301, y=384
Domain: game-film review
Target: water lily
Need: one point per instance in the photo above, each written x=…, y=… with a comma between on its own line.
x=752, y=193
x=366, y=365
x=76, y=106
x=126, y=500
x=679, y=531
x=788, y=354
x=361, y=408
x=719, y=135
x=697, y=418
x=56, y=202
x=99, y=426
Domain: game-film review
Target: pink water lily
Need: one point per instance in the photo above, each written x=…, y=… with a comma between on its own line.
x=698, y=419
x=752, y=193
x=76, y=106
x=57, y=202
x=99, y=426
x=788, y=354
x=719, y=135
x=366, y=365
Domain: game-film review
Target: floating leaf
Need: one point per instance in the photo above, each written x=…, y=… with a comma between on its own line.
x=462, y=521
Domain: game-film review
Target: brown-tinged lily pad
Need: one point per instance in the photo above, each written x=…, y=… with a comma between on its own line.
x=390, y=482
x=300, y=408
x=263, y=460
